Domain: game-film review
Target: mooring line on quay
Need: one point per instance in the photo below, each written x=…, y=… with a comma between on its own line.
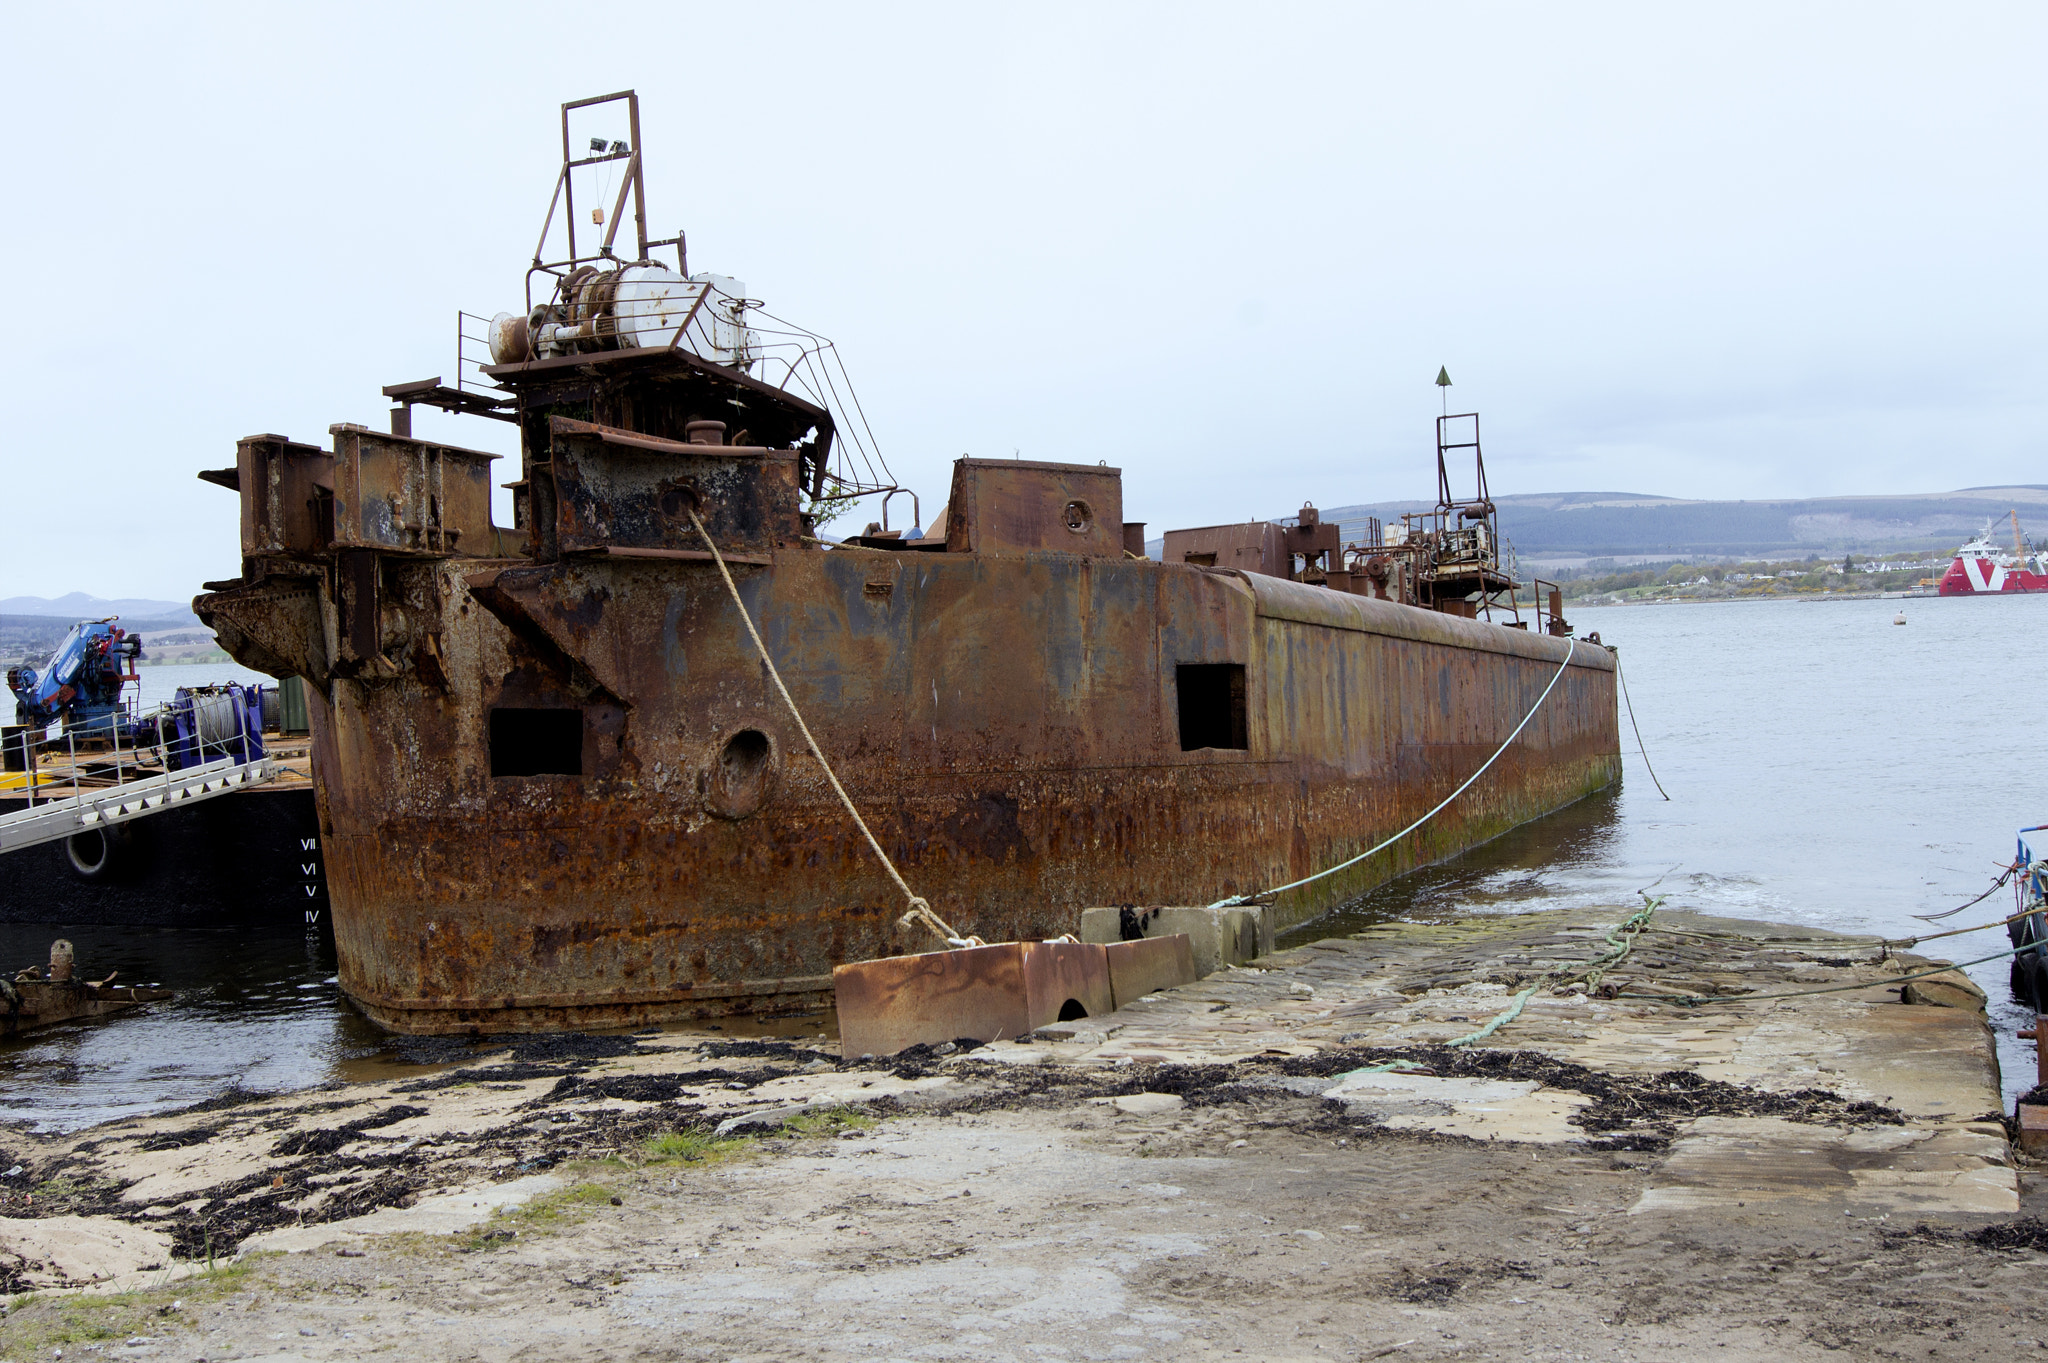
x=1621, y=937
x=2003, y=876
x=1908, y=942
x=1889, y=943
x=1692, y=1000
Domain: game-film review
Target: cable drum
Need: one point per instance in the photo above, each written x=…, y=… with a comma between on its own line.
x=208, y=723
x=215, y=719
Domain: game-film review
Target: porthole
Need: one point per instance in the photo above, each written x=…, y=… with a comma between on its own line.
x=742, y=775
x=1079, y=517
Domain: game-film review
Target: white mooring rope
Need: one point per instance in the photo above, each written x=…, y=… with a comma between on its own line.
x=920, y=910
x=1571, y=647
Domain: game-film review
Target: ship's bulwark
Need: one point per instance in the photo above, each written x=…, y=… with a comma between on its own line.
x=1011, y=727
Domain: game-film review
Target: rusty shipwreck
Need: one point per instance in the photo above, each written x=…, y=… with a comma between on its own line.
x=555, y=787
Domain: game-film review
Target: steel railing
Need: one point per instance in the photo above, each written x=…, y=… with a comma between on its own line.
x=68, y=792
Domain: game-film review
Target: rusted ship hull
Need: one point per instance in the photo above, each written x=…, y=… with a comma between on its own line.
x=1010, y=726
x=557, y=788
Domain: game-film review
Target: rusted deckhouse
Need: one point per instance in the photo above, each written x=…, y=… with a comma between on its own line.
x=556, y=786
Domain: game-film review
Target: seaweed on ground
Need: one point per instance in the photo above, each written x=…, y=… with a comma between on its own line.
x=1628, y=1112
x=560, y=1046
x=649, y=1088
x=327, y=1140
x=433, y=1050
x=2022, y=1232
x=233, y=1096
x=1642, y=1105
x=761, y=1050
x=178, y=1140
x=513, y=1073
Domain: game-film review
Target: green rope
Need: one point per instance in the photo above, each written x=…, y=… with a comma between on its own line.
x=1514, y=1010
x=1621, y=938
x=1633, y=926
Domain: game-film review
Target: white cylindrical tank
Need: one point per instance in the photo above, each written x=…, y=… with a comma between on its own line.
x=649, y=303
x=634, y=307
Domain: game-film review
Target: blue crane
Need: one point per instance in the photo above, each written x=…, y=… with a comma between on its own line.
x=82, y=683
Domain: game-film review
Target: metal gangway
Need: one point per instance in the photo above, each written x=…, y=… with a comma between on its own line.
x=115, y=777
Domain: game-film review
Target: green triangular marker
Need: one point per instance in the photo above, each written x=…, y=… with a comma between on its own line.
x=1443, y=377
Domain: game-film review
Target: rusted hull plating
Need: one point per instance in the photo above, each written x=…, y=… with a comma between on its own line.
x=1009, y=726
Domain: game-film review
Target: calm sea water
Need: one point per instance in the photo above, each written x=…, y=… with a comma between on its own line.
x=1826, y=768
x=159, y=683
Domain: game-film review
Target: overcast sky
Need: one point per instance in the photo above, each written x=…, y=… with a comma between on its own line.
x=1718, y=251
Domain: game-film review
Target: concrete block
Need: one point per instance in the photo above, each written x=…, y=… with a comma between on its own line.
x=1148, y=964
x=1093, y=1031
x=1217, y=937
x=1953, y=990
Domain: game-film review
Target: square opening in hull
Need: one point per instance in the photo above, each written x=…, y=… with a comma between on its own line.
x=536, y=742
x=1212, y=705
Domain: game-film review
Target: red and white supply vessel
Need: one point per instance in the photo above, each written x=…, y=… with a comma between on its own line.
x=1985, y=568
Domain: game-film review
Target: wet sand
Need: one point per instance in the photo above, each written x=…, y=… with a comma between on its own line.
x=1203, y=1174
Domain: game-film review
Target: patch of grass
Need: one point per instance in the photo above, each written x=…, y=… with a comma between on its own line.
x=67, y=1192
x=692, y=1147
x=550, y=1211
x=563, y=1201
x=830, y=1122
x=409, y=1242
x=48, y=1320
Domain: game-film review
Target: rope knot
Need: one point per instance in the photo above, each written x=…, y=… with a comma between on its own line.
x=920, y=914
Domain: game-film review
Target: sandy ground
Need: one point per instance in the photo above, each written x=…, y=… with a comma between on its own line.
x=571, y=1198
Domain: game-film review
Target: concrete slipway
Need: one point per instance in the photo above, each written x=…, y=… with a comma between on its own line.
x=1205, y=1173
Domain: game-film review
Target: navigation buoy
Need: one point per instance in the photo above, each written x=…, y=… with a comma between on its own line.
x=1899, y=619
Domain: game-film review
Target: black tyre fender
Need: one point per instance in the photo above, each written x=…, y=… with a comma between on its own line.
x=101, y=854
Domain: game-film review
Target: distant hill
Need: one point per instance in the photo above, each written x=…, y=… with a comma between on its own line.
x=1566, y=526
x=31, y=627
x=32, y=638
x=78, y=606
